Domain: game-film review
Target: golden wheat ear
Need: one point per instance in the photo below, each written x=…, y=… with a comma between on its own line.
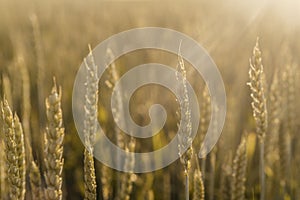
x=239, y=171
x=90, y=126
x=198, y=186
x=259, y=108
x=35, y=182
x=53, y=150
x=15, y=153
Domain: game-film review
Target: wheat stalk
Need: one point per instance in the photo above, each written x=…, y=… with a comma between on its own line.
x=239, y=172
x=53, y=149
x=40, y=60
x=256, y=84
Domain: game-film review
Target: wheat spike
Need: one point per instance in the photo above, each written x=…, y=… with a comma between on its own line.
x=257, y=92
x=53, y=150
x=2, y=171
x=184, y=136
x=35, y=182
x=274, y=117
x=13, y=151
x=90, y=126
x=20, y=144
x=127, y=179
x=259, y=108
x=225, y=182
x=89, y=176
x=118, y=112
x=198, y=186
x=204, y=123
x=106, y=179
x=239, y=172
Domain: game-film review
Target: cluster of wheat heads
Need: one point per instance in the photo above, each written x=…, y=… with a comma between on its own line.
x=23, y=177
x=13, y=177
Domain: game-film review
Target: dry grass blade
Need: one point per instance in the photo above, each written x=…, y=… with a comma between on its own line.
x=54, y=137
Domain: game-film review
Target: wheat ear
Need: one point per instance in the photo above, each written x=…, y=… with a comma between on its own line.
x=53, y=149
x=89, y=176
x=198, y=186
x=274, y=117
x=225, y=181
x=15, y=155
x=127, y=179
x=2, y=171
x=239, y=172
x=204, y=123
x=184, y=134
x=90, y=126
x=35, y=182
x=256, y=75
x=118, y=112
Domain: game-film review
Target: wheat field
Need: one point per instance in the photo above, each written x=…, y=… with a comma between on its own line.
x=255, y=45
